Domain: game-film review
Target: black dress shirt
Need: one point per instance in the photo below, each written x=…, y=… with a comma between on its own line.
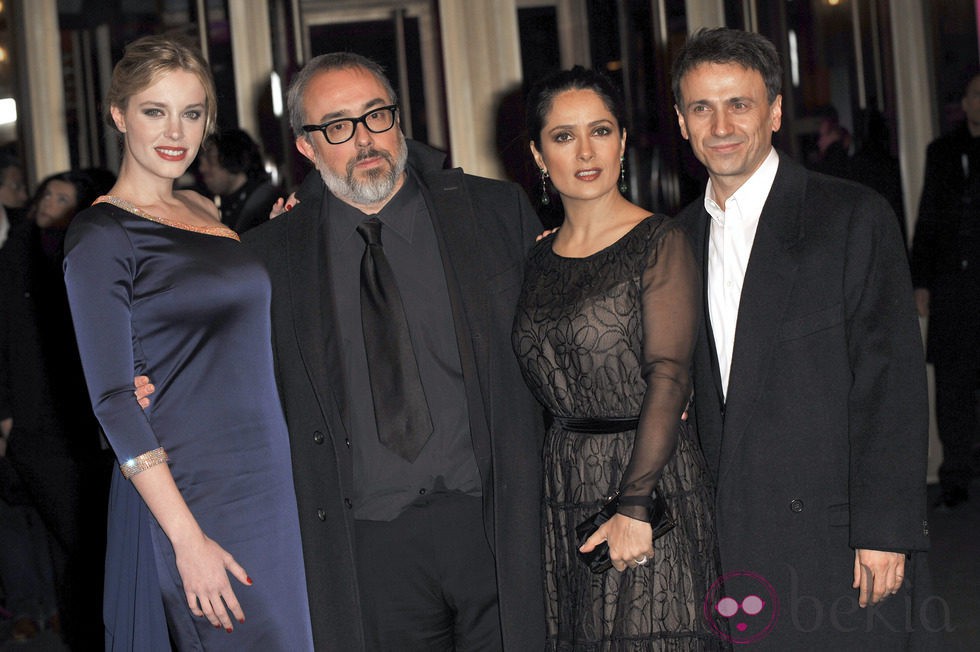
x=385, y=483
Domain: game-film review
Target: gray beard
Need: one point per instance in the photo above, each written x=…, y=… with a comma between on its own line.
x=377, y=187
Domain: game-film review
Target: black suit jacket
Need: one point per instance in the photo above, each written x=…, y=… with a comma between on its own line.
x=483, y=228
x=821, y=445
x=946, y=248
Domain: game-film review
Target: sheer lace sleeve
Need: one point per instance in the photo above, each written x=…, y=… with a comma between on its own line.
x=670, y=301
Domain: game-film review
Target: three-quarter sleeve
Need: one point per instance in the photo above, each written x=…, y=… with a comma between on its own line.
x=670, y=304
x=100, y=268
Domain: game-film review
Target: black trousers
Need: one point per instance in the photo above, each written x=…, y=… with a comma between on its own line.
x=71, y=491
x=427, y=579
x=956, y=420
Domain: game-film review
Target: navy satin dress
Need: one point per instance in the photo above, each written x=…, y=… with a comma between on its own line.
x=188, y=307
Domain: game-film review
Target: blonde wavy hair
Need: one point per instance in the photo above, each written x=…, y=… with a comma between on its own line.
x=145, y=60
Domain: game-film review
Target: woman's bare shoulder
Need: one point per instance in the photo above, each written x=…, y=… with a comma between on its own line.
x=199, y=205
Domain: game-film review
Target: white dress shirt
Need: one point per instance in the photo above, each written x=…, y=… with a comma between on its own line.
x=729, y=246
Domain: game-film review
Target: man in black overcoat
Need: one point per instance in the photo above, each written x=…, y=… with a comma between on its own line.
x=810, y=394
x=443, y=551
x=946, y=274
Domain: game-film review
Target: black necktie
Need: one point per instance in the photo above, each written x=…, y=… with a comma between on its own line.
x=400, y=409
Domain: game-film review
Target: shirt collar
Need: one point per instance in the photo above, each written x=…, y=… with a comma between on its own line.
x=398, y=215
x=751, y=196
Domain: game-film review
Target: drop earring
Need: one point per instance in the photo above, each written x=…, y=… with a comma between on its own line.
x=545, y=199
x=622, y=175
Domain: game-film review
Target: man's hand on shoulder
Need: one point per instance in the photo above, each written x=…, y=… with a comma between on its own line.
x=143, y=390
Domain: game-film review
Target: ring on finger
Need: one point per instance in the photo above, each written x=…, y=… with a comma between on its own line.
x=642, y=560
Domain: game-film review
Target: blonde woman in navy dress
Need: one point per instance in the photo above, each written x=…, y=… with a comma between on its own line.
x=204, y=545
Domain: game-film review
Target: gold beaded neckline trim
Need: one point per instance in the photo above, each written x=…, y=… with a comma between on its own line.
x=218, y=230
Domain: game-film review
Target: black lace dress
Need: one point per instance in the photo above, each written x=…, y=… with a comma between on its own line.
x=610, y=336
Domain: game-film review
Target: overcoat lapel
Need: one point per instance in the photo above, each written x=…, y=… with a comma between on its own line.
x=768, y=284
x=315, y=321
x=455, y=223
x=455, y=226
x=709, y=402
x=707, y=336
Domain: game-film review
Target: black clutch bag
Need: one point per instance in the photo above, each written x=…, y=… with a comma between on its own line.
x=598, y=559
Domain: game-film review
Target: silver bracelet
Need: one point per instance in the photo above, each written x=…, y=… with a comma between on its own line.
x=143, y=462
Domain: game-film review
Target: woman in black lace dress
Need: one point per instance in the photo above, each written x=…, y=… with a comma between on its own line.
x=604, y=332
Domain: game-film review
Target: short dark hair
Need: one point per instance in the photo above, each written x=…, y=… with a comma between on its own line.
x=725, y=45
x=542, y=96
x=8, y=160
x=237, y=152
x=86, y=191
x=326, y=63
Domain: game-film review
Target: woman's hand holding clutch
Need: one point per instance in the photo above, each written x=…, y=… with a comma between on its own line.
x=630, y=541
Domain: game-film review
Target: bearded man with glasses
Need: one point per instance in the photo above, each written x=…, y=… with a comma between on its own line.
x=415, y=444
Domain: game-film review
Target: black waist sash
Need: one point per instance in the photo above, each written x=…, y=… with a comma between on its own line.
x=602, y=426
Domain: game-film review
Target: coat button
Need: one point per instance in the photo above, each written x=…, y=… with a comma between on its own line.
x=348, y=502
x=796, y=505
x=321, y=514
x=347, y=441
x=317, y=437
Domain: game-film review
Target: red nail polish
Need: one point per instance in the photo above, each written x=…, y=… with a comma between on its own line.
x=241, y=620
x=228, y=629
x=289, y=207
x=248, y=579
x=217, y=626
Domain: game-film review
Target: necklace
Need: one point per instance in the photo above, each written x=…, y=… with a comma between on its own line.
x=217, y=230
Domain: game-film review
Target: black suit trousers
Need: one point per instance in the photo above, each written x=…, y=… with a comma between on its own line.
x=427, y=579
x=956, y=420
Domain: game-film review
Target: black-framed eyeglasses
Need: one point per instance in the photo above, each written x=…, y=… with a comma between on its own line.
x=341, y=130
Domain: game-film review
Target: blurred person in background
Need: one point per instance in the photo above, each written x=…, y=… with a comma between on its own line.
x=13, y=194
x=49, y=430
x=232, y=169
x=946, y=275
x=873, y=163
